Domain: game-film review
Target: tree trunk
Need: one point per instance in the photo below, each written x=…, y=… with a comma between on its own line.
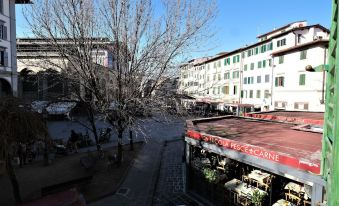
x=13, y=179
x=131, y=140
x=119, y=158
x=91, y=118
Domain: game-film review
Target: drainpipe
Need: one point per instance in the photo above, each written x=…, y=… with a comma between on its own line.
x=272, y=80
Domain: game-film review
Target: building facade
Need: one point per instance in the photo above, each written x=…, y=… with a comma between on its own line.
x=8, y=71
x=263, y=73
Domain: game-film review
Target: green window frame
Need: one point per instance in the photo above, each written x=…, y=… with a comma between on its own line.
x=256, y=50
x=303, y=54
x=263, y=63
x=228, y=61
x=270, y=46
x=225, y=62
x=252, y=66
x=263, y=48
x=234, y=59
x=281, y=59
x=258, y=94
x=238, y=58
x=251, y=94
x=279, y=82
x=242, y=94
x=302, y=79
x=227, y=75
x=259, y=64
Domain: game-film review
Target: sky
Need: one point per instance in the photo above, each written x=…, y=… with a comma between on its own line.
x=238, y=22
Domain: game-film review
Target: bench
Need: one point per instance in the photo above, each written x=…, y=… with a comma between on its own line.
x=74, y=183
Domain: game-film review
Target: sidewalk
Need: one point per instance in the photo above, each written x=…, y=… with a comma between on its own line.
x=139, y=185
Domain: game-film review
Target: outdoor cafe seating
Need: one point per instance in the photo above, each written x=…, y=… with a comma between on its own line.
x=241, y=192
x=298, y=194
x=259, y=179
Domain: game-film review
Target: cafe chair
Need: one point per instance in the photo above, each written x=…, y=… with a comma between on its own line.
x=307, y=203
x=292, y=198
x=246, y=179
x=263, y=186
x=243, y=201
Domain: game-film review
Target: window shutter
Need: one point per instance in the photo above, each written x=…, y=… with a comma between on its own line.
x=306, y=106
x=264, y=63
x=6, y=59
x=225, y=62
x=282, y=81
x=4, y=33
x=276, y=81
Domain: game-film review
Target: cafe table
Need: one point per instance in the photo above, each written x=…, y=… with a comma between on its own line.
x=298, y=189
x=259, y=176
x=242, y=188
x=283, y=202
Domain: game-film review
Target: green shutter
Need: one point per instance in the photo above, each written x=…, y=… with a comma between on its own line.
x=225, y=62
x=263, y=63
x=238, y=58
x=276, y=81
x=302, y=79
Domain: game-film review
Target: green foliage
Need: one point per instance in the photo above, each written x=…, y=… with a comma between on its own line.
x=210, y=175
x=257, y=197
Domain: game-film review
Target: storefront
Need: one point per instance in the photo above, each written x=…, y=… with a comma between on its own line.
x=233, y=160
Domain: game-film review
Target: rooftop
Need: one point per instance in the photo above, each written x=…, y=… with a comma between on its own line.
x=297, y=117
x=294, y=147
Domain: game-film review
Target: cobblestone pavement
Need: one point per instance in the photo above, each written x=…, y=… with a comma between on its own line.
x=170, y=184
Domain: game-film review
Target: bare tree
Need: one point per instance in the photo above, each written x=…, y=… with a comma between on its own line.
x=150, y=42
x=19, y=125
x=69, y=29
x=148, y=38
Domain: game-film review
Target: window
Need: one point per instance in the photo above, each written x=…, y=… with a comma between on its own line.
x=299, y=38
x=234, y=59
x=266, y=94
x=242, y=94
x=302, y=79
x=214, y=77
x=252, y=66
x=3, y=58
x=219, y=77
x=225, y=62
x=258, y=79
x=245, y=80
x=226, y=75
x=267, y=78
x=281, y=59
x=251, y=94
x=235, y=75
x=250, y=80
x=1, y=6
x=245, y=67
x=258, y=94
x=219, y=63
x=256, y=50
x=227, y=90
x=281, y=42
x=249, y=53
x=279, y=81
x=215, y=65
x=263, y=48
x=303, y=54
x=3, y=31
x=228, y=61
x=270, y=62
x=238, y=58
x=263, y=63
x=208, y=78
x=259, y=64
x=270, y=46
x=235, y=90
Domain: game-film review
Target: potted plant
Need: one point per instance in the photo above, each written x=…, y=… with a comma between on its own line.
x=258, y=197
